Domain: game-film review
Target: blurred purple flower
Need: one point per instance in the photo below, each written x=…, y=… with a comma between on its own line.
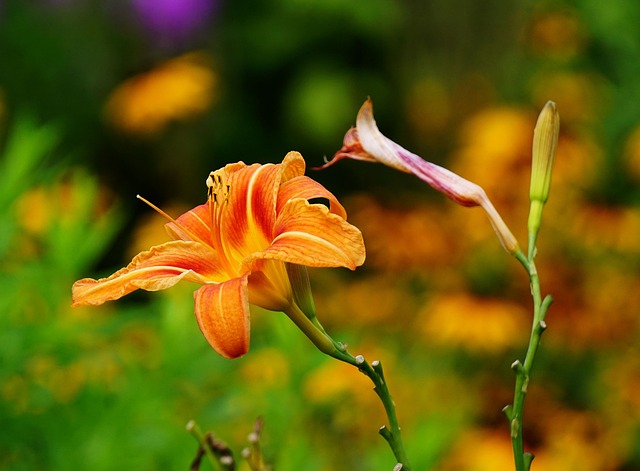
x=174, y=19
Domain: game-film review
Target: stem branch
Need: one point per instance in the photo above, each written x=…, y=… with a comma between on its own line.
x=374, y=372
x=316, y=333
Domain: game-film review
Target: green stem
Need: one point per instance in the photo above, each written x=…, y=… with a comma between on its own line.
x=312, y=329
x=515, y=411
x=392, y=434
x=373, y=371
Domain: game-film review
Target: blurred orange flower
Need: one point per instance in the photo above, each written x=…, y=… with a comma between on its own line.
x=606, y=229
x=178, y=89
x=475, y=324
x=348, y=392
x=42, y=207
x=370, y=301
x=269, y=367
x=579, y=96
x=632, y=154
x=495, y=152
x=576, y=440
x=599, y=305
x=256, y=221
x=480, y=450
x=397, y=236
x=558, y=34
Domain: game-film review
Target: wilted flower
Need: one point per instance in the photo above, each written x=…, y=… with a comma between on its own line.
x=240, y=245
x=366, y=142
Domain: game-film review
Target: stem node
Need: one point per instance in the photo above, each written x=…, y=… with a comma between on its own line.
x=517, y=367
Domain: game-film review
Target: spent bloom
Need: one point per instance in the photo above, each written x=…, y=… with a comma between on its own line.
x=248, y=244
x=366, y=142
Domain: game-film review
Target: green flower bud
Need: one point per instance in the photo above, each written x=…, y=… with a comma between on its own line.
x=545, y=142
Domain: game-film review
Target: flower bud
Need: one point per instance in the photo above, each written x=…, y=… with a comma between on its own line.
x=545, y=142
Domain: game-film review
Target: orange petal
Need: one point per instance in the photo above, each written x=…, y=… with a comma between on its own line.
x=269, y=285
x=250, y=212
x=192, y=225
x=159, y=268
x=262, y=191
x=293, y=165
x=308, y=234
x=305, y=187
x=222, y=311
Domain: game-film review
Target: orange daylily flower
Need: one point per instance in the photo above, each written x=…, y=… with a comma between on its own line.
x=240, y=246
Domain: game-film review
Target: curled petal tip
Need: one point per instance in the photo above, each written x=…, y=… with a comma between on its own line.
x=328, y=163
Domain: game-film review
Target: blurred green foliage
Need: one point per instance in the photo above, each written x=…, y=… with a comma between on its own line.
x=457, y=82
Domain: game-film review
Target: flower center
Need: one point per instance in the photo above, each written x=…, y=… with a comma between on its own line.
x=218, y=189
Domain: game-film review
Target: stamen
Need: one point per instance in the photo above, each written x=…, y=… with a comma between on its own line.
x=180, y=226
x=214, y=187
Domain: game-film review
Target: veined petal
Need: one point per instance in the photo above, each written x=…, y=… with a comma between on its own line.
x=305, y=188
x=269, y=285
x=159, y=268
x=293, y=165
x=222, y=312
x=308, y=234
x=248, y=213
x=192, y=225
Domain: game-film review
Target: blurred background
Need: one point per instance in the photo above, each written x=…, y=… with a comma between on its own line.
x=100, y=101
